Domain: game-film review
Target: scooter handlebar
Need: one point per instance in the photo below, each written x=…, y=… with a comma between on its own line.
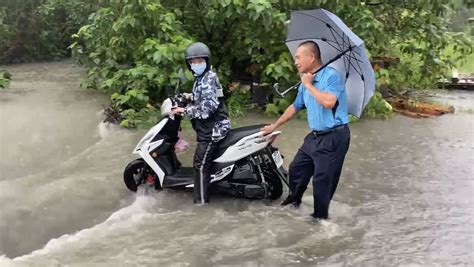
x=181, y=100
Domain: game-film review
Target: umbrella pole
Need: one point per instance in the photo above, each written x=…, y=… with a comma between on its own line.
x=335, y=58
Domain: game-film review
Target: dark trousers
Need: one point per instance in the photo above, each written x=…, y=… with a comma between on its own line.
x=202, y=164
x=320, y=157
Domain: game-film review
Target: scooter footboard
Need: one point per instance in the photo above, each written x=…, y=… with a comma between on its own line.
x=181, y=177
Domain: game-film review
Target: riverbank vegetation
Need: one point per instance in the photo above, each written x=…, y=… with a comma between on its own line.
x=4, y=79
x=133, y=49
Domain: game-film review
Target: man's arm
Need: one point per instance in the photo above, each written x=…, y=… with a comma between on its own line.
x=327, y=100
x=289, y=113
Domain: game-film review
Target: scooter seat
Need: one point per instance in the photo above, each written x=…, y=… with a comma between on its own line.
x=236, y=134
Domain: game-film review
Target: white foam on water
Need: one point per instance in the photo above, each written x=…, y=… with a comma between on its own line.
x=141, y=210
x=106, y=129
x=4, y=261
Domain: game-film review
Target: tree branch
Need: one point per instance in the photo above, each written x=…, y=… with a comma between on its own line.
x=198, y=7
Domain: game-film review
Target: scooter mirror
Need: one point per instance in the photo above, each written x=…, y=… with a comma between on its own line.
x=181, y=76
x=180, y=80
x=178, y=86
x=170, y=90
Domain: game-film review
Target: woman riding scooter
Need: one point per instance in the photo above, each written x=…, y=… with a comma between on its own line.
x=208, y=116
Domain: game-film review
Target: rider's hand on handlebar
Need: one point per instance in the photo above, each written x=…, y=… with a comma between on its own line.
x=188, y=96
x=268, y=129
x=177, y=110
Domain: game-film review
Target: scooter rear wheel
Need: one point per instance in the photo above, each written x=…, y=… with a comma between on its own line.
x=275, y=186
x=131, y=174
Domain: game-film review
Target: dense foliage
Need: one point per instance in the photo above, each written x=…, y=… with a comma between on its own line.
x=40, y=29
x=134, y=48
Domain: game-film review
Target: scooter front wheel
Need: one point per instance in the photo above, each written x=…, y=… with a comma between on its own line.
x=133, y=174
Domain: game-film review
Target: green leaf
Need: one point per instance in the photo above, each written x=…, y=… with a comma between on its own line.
x=150, y=75
x=272, y=109
x=132, y=92
x=115, y=96
x=124, y=99
x=109, y=82
x=125, y=123
x=157, y=56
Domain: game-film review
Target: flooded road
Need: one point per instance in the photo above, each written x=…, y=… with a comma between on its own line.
x=405, y=196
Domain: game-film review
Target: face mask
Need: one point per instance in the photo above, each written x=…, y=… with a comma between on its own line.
x=199, y=68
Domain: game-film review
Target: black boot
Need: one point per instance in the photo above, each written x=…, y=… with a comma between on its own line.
x=291, y=200
x=288, y=200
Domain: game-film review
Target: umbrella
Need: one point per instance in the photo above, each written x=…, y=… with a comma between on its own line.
x=340, y=48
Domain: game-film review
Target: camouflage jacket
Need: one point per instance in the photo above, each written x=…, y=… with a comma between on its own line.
x=207, y=111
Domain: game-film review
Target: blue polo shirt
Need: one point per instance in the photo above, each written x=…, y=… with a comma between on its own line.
x=320, y=118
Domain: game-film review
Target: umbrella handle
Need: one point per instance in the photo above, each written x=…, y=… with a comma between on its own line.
x=276, y=86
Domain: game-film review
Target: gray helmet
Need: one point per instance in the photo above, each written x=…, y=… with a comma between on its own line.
x=198, y=49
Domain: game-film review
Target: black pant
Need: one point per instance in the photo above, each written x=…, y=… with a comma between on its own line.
x=202, y=170
x=320, y=157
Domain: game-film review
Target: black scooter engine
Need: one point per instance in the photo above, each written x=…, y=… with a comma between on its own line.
x=245, y=181
x=244, y=173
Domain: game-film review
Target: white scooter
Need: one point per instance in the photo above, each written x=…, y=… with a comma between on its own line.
x=245, y=164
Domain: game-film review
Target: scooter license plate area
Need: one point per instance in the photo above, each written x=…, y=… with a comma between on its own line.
x=277, y=158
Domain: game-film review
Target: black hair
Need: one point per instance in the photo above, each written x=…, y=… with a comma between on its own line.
x=314, y=48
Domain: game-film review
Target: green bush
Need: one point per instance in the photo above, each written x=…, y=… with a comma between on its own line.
x=60, y=19
x=4, y=79
x=132, y=49
x=238, y=103
x=378, y=107
x=40, y=29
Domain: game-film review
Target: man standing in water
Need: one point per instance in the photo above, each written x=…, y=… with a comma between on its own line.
x=323, y=151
